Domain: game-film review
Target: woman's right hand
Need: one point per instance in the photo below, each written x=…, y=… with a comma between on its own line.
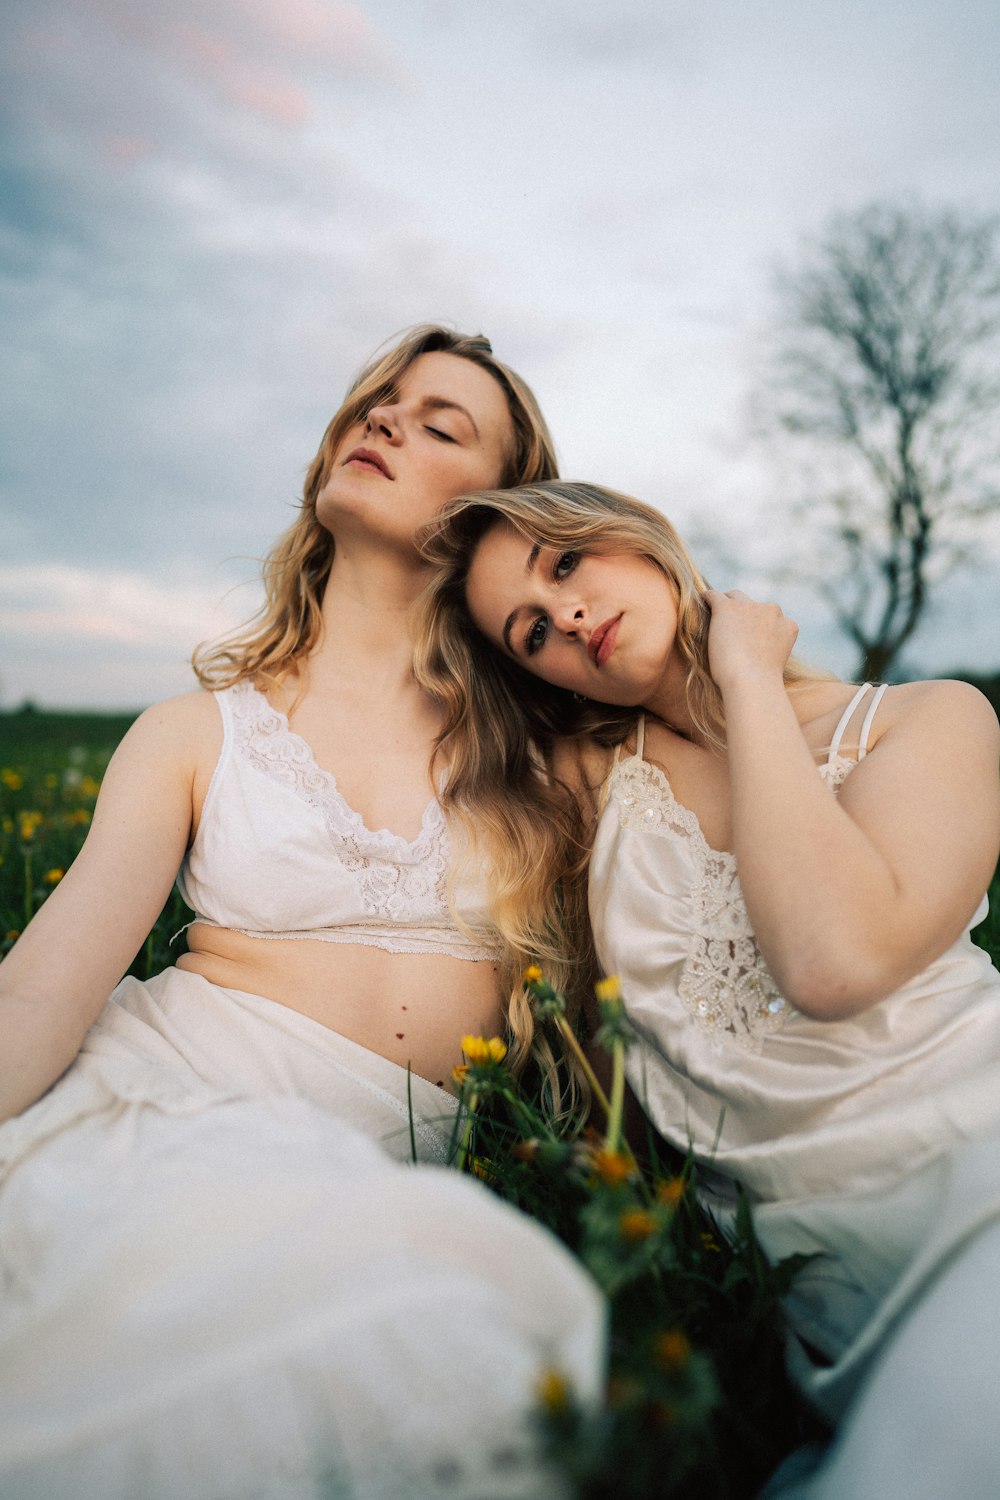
x=747, y=639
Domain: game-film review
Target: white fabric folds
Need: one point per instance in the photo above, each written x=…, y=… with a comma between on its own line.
x=220, y=1277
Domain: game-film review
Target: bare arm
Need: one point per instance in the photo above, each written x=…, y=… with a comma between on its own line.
x=851, y=896
x=61, y=971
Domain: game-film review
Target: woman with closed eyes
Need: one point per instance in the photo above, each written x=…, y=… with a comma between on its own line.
x=223, y=1276
x=785, y=869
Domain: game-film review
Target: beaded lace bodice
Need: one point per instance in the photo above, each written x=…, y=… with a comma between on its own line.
x=280, y=853
x=724, y=983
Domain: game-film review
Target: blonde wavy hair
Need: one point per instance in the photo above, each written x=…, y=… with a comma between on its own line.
x=508, y=721
x=460, y=663
x=295, y=572
x=510, y=825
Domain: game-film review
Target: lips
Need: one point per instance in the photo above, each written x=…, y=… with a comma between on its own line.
x=602, y=640
x=369, y=459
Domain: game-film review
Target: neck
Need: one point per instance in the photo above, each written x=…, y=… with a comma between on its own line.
x=366, y=618
x=669, y=701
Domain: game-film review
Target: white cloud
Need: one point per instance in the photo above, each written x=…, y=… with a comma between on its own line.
x=211, y=215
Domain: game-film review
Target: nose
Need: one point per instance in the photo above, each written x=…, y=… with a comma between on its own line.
x=569, y=617
x=383, y=419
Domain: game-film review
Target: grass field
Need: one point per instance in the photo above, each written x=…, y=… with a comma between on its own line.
x=698, y=1402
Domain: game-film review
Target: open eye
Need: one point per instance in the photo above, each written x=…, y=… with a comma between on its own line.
x=564, y=564
x=534, y=640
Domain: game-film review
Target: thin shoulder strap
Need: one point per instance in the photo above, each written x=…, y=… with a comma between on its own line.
x=869, y=716
x=640, y=735
x=845, y=719
x=602, y=800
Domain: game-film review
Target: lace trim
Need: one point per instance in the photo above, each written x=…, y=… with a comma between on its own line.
x=449, y=941
x=398, y=879
x=725, y=985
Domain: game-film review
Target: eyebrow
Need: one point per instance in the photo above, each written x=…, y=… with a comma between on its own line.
x=509, y=622
x=438, y=403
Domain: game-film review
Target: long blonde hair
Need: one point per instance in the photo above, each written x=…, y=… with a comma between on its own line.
x=502, y=721
x=288, y=625
x=295, y=572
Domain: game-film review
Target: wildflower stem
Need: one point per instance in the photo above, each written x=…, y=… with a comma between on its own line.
x=573, y=1042
x=28, y=888
x=463, y=1150
x=617, y=1106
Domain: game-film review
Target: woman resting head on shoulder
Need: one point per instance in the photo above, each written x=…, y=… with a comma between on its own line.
x=785, y=869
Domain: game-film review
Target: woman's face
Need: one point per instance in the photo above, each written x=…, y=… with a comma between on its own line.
x=447, y=430
x=599, y=623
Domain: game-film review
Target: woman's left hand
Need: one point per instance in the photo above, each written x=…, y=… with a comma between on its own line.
x=745, y=638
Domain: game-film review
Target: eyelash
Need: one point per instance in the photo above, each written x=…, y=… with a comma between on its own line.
x=531, y=642
x=445, y=437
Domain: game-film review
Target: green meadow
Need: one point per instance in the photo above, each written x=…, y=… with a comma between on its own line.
x=697, y=1400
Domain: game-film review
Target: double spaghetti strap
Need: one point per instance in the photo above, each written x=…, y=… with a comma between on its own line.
x=869, y=716
x=606, y=785
x=848, y=714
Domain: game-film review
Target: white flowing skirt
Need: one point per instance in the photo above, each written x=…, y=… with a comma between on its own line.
x=221, y=1278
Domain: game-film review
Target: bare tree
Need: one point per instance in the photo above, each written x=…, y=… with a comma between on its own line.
x=882, y=377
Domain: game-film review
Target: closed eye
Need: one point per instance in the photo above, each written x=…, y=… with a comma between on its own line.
x=444, y=437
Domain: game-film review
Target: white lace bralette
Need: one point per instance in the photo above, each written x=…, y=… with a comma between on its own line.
x=280, y=853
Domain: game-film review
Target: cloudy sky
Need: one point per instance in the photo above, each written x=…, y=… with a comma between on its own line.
x=211, y=213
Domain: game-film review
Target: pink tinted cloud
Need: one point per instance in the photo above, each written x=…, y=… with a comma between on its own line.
x=249, y=53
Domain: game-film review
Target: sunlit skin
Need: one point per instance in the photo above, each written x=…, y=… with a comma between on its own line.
x=600, y=624
x=446, y=432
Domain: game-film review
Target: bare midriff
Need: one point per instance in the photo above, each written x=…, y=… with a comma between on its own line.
x=413, y=1008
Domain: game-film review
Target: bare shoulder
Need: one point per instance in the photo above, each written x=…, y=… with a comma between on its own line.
x=956, y=710
x=185, y=731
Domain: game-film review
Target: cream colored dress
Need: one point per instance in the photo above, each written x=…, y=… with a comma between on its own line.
x=873, y=1140
x=222, y=1277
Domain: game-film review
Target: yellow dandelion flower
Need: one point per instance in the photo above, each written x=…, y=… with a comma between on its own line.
x=13, y=935
x=12, y=780
x=608, y=989
x=553, y=1391
x=475, y=1048
x=460, y=1073
x=89, y=787
x=532, y=974
x=480, y=1050
x=53, y=877
x=28, y=825
x=613, y=1167
x=77, y=817
x=672, y=1349
x=636, y=1225
x=671, y=1191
